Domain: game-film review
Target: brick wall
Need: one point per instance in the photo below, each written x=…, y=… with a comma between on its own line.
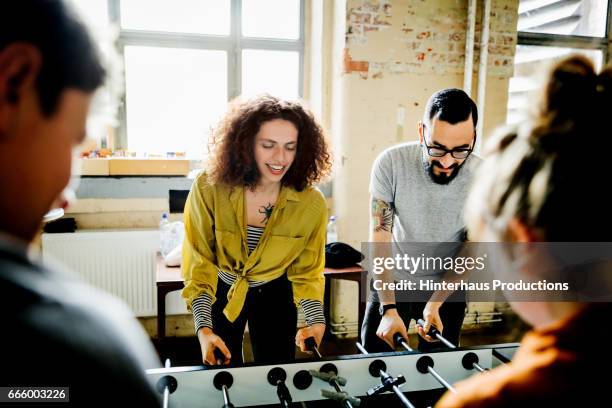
x=424, y=37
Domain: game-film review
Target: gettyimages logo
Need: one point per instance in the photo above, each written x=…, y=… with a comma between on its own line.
x=491, y=271
x=423, y=263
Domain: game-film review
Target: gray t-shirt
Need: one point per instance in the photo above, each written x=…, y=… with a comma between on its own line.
x=424, y=211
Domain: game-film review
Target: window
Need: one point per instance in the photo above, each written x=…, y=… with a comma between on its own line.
x=548, y=31
x=185, y=59
x=177, y=16
x=93, y=12
x=270, y=71
x=261, y=19
x=166, y=113
x=563, y=17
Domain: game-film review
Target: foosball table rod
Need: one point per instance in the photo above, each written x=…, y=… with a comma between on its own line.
x=434, y=332
x=388, y=382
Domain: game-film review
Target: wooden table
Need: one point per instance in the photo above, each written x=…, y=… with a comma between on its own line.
x=354, y=274
x=168, y=279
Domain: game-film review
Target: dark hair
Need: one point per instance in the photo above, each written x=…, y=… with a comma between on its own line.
x=69, y=57
x=451, y=105
x=460, y=235
x=233, y=160
x=544, y=172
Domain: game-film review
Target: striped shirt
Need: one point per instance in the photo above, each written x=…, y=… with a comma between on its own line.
x=253, y=236
x=202, y=305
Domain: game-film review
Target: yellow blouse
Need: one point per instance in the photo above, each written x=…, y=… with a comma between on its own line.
x=215, y=239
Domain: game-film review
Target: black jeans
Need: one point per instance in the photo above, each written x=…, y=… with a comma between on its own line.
x=272, y=318
x=451, y=313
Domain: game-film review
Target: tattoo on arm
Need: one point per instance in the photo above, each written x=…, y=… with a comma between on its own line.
x=266, y=210
x=382, y=215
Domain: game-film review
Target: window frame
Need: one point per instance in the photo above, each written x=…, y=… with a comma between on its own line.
x=573, y=41
x=233, y=44
x=603, y=44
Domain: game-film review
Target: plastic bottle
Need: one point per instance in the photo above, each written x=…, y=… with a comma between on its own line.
x=164, y=223
x=332, y=230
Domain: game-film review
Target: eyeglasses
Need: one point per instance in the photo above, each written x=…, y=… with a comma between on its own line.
x=436, y=151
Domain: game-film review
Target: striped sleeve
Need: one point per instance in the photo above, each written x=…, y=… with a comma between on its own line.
x=313, y=311
x=202, y=315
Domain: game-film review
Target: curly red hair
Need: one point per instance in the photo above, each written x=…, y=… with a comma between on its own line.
x=232, y=160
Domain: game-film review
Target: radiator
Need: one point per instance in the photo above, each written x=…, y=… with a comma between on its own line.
x=119, y=262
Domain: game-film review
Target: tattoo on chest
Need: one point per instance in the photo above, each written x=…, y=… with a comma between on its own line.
x=266, y=210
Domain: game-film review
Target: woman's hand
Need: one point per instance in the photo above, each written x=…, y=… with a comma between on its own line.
x=209, y=342
x=431, y=315
x=316, y=330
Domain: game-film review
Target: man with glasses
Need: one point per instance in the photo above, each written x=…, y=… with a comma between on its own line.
x=418, y=190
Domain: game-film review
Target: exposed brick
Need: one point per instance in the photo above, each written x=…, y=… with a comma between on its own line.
x=456, y=36
x=429, y=37
x=370, y=7
x=506, y=39
x=416, y=45
x=380, y=22
x=354, y=66
x=360, y=18
x=438, y=58
x=440, y=36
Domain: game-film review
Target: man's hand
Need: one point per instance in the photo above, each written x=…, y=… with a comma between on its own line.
x=316, y=330
x=431, y=315
x=209, y=341
x=390, y=324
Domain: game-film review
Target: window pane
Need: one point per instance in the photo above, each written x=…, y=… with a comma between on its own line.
x=173, y=96
x=93, y=12
x=575, y=17
x=179, y=16
x=273, y=72
x=271, y=19
x=530, y=62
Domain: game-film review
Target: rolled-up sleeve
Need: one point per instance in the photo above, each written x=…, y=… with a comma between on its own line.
x=381, y=179
x=306, y=272
x=198, y=267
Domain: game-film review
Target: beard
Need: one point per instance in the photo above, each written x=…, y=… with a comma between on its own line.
x=441, y=178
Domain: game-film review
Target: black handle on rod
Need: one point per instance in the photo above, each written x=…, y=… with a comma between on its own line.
x=311, y=345
x=387, y=381
x=434, y=332
x=399, y=340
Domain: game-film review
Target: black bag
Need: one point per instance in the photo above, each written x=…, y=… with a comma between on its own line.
x=341, y=255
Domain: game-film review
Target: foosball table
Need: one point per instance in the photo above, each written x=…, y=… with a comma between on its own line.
x=404, y=379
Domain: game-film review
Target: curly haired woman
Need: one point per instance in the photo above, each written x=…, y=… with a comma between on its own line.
x=254, y=249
